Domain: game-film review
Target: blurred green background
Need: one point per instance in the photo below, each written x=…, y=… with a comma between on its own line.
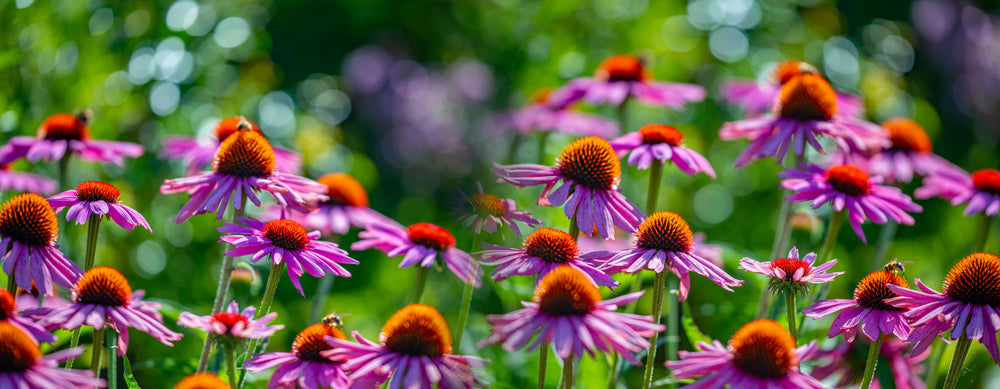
x=401, y=95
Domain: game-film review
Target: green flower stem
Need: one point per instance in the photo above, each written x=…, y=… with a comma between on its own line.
x=623, y=115
x=543, y=138
x=64, y=169
x=97, y=346
x=463, y=314
x=658, y=287
x=93, y=228
x=673, y=321
x=630, y=308
x=231, y=366
x=11, y=286
x=653, y=192
x=418, y=284
x=790, y=312
x=225, y=276
x=957, y=362
x=873, y=353
x=932, y=368
x=74, y=341
x=265, y=304
x=782, y=233
x=322, y=290
x=984, y=233
x=568, y=376
x=543, y=359
x=112, y=341
x=831, y=236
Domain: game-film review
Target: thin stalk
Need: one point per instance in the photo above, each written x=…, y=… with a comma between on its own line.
x=630, y=308
x=957, y=362
x=568, y=376
x=574, y=227
x=418, y=284
x=790, y=309
x=932, y=368
x=64, y=169
x=831, y=236
x=623, y=115
x=95, y=355
x=873, y=353
x=782, y=233
x=74, y=341
x=661, y=278
x=93, y=228
x=225, y=276
x=543, y=359
x=542, y=140
x=112, y=341
x=984, y=233
x=265, y=304
x=884, y=241
x=653, y=192
x=673, y=322
x=231, y=365
x=11, y=285
x=322, y=290
x=463, y=314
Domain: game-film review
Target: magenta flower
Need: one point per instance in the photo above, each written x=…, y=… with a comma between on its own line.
x=304, y=367
x=544, y=250
x=969, y=306
x=805, y=110
x=97, y=198
x=414, y=349
x=232, y=323
x=9, y=314
x=286, y=241
x=711, y=252
x=102, y=297
x=244, y=164
x=63, y=132
x=198, y=154
x=590, y=171
x=981, y=190
x=29, y=228
x=24, y=366
x=757, y=97
x=421, y=244
x=911, y=153
x=567, y=311
x=663, y=242
x=623, y=76
x=846, y=361
x=847, y=187
x=346, y=207
x=791, y=271
x=867, y=311
x=552, y=111
x=663, y=143
x=15, y=181
x=761, y=355
x=486, y=212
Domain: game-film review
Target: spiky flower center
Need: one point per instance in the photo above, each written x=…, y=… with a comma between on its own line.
x=566, y=291
x=790, y=266
x=551, y=245
x=431, y=235
x=103, y=285
x=872, y=290
x=787, y=70
x=849, y=180
x=230, y=319
x=987, y=180
x=590, y=162
x=244, y=154
x=343, y=189
x=231, y=125
x=18, y=352
x=63, y=126
x=542, y=95
x=764, y=349
x=807, y=97
x=907, y=135
x=287, y=234
x=202, y=381
x=417, y=330
x=97, y=191
x=309, y=342
x=486, y=204
x=665, y=231
x=660, y=133
x=975, y=280
x=8, y=306
x=29, y=219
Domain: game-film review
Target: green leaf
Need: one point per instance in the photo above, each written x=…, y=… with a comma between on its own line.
x=129, y=378
x=691, y=329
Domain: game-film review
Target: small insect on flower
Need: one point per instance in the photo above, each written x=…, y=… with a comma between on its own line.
x=896, y=267
x=199, y=153
x=334, y=320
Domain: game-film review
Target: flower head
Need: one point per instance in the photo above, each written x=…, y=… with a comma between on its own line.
x=202, y=381
x=762, y=354
x=23, y=366
x=102, y=296
x=198, y=153
x=421, y=244
x=909, y=153
x=9, y=314
x=233, y=325
x=15, y=181
x=969, y=306
x=552, y=110
x=791, y=273
x=543, y=251
x=980, y=190
x=485, y=212
x=757, y=97
x=244, y=164
x=414, y=348
x=868, y=310
x=97, y=198
x=286, y=241
x=305, y=367
x=590, y=171
x=568, y=312
x=28, y=226
x=664, y=242
x=850, y=188
x=620, y=77
x=63, y=132
x=662, y=143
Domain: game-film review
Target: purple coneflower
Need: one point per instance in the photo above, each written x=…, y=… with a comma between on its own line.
x=664, y=242
x=805, y=110
x=304, y=367
x=486, y=212
x=244, y=164
x=63, y=132
x=23, y=366
x=761, y=355
x=202, y=381
x=414, y=349
x=791, y=272
x=567, y=311
x=551, y=111
x=420, y=244
x=867, y=311
x=9, y=314
x=198, y=154
x=286, y=242
x=543, y=251
x=29, y=228
x=590, y=171
x=663, y=143
x=347, y=206
x=911, y=153
x=851, y=189
x=102, y=297
x=233, y=324
x=14, y=181
x=97, y=198
x=757, y=97
x=622, y=76
x=981, y=190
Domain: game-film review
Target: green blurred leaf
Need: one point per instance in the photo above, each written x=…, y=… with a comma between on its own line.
x=690, y=329
x=129, y=378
